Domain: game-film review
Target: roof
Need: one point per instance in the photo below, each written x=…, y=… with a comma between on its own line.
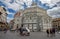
x=12, y=21
x=17, y=14
x=57, y=19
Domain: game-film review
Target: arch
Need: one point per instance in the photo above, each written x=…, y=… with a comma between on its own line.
x=31, y=20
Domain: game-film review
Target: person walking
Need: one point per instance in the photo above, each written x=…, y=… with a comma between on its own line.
x=21, y=30
x=17, y=28
x=47, y=31
x=5, y=30
x=53, y=31
x=27, y=32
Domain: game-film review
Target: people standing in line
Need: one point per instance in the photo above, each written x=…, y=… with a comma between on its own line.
x=50, y=32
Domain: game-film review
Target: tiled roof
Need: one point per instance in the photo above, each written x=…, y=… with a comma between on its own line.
x=17, y=14
x=57, y=19
x=11, y=21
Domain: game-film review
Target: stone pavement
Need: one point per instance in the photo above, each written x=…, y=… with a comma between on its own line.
x=34, y=35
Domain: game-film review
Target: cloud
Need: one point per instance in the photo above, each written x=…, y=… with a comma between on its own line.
x=54, y=1
x=13, y=6
x=8, y=19
x=54, y=12
x=28, y=2
x=21, y=2
x=17, y=4
x=50, y=3
x=45, y=1
x=8, y=0
x=10, y=13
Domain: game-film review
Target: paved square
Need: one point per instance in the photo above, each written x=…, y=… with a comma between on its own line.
x=34, y=35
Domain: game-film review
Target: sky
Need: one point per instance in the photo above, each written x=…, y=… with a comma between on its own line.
x=12, y=6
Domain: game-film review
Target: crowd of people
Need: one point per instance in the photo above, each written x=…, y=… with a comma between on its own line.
x=24, y=31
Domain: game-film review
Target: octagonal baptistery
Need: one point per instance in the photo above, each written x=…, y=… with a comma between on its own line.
x=35, y=18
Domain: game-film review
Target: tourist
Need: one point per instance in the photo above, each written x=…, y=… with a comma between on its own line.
x=53, y=31
x=27, y=31
x=21, y=30
x=5, y=30
x=47, y=31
